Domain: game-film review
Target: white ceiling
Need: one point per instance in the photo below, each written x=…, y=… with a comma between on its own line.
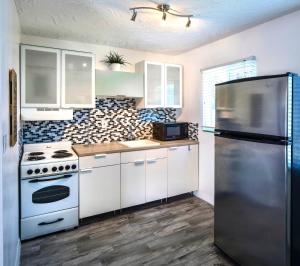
x=107, y=22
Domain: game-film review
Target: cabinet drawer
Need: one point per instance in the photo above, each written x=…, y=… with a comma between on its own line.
x=156, y=154
x=133, y=156
x=48, y=223
x=99, y=160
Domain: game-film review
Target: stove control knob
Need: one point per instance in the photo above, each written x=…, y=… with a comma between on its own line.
x=54, y=169
x=60, y=168
x=67, y=167
x=74, y=166
x=37, y=171
x=29, y=172
x=45, y=170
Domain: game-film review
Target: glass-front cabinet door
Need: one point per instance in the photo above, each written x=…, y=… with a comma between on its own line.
x=40, y=77
x=173, y=86
x=78, y=80
x=154, y=85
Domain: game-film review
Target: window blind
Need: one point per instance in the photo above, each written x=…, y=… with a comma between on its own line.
x=240, y=69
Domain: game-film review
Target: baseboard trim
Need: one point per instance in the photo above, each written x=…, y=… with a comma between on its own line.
x=18, y=254
x=208, y=198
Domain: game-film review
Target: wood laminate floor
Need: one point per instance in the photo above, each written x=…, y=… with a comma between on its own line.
x=177, y=233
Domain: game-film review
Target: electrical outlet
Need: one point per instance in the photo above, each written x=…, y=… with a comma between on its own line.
x=104, y=123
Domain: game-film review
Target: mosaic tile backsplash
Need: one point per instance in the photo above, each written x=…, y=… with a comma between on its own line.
x=120, y=115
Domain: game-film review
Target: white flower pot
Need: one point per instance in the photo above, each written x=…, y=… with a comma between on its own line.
x=115, y=67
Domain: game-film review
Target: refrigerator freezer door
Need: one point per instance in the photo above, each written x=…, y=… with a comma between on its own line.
x=257, y=106
x=250, y=201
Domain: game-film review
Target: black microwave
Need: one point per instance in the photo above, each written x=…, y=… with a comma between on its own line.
x=170, y=131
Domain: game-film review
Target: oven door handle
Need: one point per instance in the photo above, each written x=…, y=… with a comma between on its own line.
x=52, y=222
x=49, y=179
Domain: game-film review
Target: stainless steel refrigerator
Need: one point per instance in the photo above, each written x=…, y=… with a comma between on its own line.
x=257, y=170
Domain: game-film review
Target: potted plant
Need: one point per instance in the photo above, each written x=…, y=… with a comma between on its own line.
x=115, y=61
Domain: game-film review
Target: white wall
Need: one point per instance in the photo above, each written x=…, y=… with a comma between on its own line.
x=276, y=44
x=132, y=56
x=9, y=197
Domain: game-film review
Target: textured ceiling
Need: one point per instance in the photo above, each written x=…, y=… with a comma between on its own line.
x=108, y=22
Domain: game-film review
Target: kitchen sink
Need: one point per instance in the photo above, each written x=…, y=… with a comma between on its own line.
x=139, y=143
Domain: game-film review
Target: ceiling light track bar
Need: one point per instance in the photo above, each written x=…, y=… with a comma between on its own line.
x=164, y=8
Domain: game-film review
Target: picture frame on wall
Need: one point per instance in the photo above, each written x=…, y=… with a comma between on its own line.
x=13, y=111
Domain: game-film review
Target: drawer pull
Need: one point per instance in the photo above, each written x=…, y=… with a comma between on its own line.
x=100, y=156
x=52, y=222
x=50, y=179
x=173, y=149
x=151, y=161
x=86, y=171
x=139, y=162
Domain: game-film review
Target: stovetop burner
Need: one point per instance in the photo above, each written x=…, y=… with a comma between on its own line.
x=36, y=153
x=36, y=158
x=62, y=155
x=61, y=151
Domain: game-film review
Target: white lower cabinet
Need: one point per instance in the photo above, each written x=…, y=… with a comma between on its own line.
x=110, y=182
x=193, y=168
x=156, y=179
x=99, y=190
x=182, y=170
x=133, y=184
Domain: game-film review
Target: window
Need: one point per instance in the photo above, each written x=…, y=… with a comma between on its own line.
x=241, y=69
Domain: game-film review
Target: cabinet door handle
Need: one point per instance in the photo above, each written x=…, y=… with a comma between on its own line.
x=173, y=148
x=99, y=156
x=139, y=162
x=151, y=161
x=86, y=171
x=50, y=179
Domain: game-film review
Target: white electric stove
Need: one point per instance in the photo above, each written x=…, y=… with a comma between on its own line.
x=49, y=188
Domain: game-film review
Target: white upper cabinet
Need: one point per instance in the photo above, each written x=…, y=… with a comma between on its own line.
x=162, y=85
x=40, y=77
x=154, y=78
x=54, y=78
x=173, y=86
x=78, y=80
x=119, y=84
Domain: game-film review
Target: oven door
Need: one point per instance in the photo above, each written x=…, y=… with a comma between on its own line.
x=48, y=194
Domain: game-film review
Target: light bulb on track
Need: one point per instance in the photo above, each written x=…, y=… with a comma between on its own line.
x=133, y=15
x=188, y=24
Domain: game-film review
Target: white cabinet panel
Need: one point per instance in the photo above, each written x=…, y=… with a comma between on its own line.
x=193, y=168
x=182, y=169
x=99, y=190
x=173, y=86
x=133, y=156
x=154, y=84
x=177, y=171
x=133, y=184
x=99, y=160
x=156, y=153
x=162, y=85
x=40, y=76
x=119, y=84
x=156, y=179
x=78, y=79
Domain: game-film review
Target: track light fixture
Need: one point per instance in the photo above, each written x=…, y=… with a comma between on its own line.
x=164, y=8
